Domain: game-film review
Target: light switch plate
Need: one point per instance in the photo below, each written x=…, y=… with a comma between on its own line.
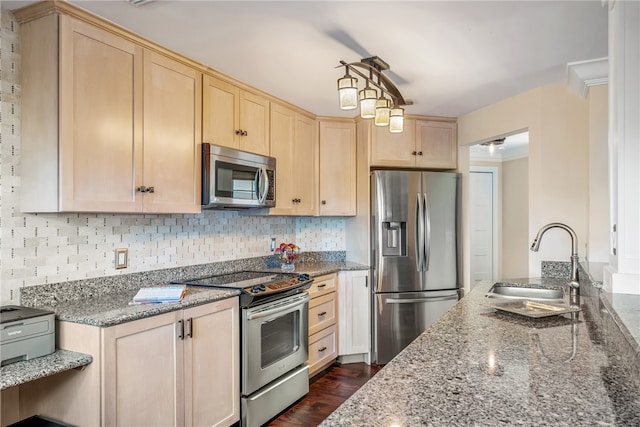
x=121, y=258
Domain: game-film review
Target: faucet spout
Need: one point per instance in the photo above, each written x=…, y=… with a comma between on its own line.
x=574, y=248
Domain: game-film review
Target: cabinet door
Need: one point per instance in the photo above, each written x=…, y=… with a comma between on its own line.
x=220, y=112
x=254, y=121
x=438, y=143
x=305, y=175
x=393, y=149
x=354, y=302
x=212, y=364
x=143, y=375
x=100, y=119
x=337, y=168
x=282, y=147
x=172, y=117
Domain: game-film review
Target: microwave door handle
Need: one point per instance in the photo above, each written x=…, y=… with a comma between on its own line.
x=263, y=185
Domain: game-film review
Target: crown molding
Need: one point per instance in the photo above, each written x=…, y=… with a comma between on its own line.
x=581, y=75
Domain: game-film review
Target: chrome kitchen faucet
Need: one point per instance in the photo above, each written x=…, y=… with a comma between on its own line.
x=574, y=284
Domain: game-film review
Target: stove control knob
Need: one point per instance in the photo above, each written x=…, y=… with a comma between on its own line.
x=303, y=277
x=262, y=287
x=257, y=288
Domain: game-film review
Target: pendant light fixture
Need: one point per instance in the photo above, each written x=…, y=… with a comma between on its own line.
x=383, y=108
x=371, y=105
x=348, y=91
x=368, y=98
x=396, y=119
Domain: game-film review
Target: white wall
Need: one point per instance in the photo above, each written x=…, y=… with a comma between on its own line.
x=51, y=248
x=515, y=218
x=558, y=123
x=598, y=237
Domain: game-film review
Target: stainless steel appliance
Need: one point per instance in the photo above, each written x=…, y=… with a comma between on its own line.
x=234, y=179
x=416, y=254
x=25, y=333
x=274, y=329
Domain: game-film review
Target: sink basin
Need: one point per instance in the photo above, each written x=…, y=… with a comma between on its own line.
x=528, y=300
x=505, y=290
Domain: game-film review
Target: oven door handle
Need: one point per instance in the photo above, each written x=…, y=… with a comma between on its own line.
x=276, y=310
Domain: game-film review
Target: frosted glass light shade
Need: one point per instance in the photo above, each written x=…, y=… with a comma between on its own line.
x=383, y=109
x=396, y=120
x=368, y=97
x=348, y=92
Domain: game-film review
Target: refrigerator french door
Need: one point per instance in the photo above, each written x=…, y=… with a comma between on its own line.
x=416, y=253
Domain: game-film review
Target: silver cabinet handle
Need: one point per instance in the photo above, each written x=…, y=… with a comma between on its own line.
x=180, y=329
x=322, y=314
x=189, y=331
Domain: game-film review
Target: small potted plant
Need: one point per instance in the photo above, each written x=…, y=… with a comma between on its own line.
x=287, y=252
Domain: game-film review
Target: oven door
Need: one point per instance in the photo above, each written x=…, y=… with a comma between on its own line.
x=274, y=340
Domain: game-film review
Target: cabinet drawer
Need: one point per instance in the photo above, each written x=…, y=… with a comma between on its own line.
x=322, y=312
x=323, y=349
x=323, y=285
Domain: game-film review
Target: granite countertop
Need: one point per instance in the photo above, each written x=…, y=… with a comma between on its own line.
x=480, y=367
x=112, y=309
x=315, y=269
x=106, y=303
x=21, y=372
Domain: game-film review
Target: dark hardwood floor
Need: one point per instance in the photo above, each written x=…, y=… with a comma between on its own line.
x=327, y=391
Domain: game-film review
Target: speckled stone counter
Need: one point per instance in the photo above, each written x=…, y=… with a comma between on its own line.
x=21, y=372
x=480, y=367
x=105, y=302
x=112, y=309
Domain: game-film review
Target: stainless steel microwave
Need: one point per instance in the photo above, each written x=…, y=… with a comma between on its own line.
x=234, y=179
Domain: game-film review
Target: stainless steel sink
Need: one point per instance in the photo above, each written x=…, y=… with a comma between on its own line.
x=528, y=300
x=508, y=291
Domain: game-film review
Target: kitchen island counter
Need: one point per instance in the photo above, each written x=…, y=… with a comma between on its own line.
x=480, y=367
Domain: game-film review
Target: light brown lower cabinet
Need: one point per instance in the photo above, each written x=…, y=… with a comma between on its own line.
x=175, y=369
x=323, y=322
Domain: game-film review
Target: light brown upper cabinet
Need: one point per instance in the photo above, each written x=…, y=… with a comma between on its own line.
x=172, y=108
x=84, y=134
x=427, y=144
x=294, y=144
x=337, y=167
x=233, y=117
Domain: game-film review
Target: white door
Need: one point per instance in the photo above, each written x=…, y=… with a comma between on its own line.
x=482, y=228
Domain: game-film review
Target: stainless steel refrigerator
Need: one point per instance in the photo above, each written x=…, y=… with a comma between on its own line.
x=416, y=254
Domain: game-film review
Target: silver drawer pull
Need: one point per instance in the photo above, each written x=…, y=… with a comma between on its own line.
x=322, y=349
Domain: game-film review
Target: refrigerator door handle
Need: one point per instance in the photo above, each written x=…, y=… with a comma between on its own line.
x=415, y=300
x=419, y=241
x=427, y=226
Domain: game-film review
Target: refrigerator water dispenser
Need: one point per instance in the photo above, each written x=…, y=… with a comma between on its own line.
x=394, y=238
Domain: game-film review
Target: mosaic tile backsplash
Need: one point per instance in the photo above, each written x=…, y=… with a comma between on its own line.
x=51, y=248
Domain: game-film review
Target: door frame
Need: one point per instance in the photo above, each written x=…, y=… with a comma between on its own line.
x=496, y=216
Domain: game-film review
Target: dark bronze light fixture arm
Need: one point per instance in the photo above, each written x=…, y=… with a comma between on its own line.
x=383, y=83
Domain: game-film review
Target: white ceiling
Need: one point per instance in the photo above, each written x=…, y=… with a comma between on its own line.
x=454, y=56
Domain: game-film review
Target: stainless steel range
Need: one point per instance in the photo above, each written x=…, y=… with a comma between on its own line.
x=274, y=328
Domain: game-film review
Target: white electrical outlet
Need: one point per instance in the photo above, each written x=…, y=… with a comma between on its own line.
x=121, y=258
x=273, y=244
